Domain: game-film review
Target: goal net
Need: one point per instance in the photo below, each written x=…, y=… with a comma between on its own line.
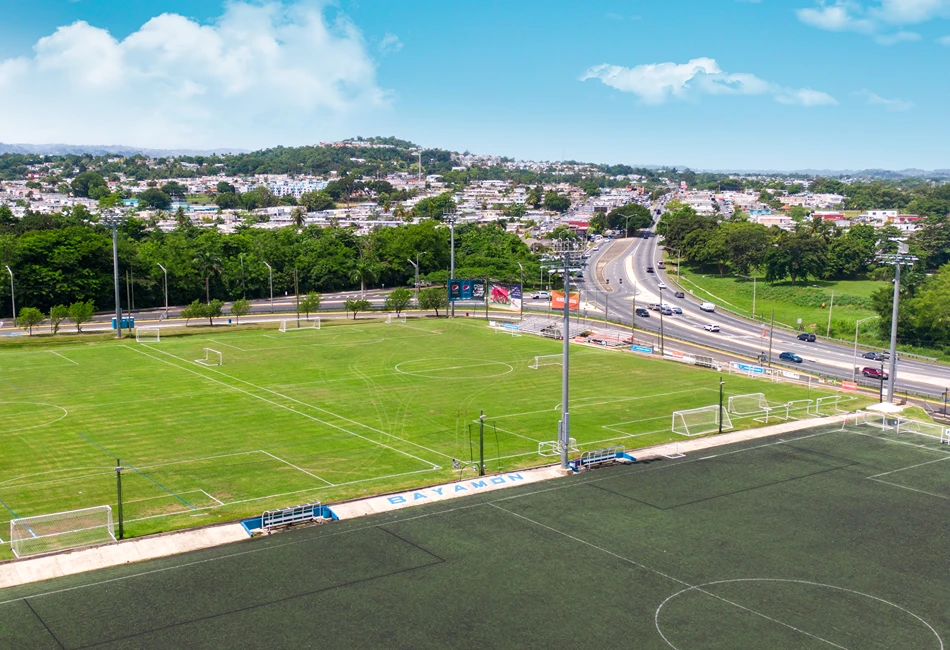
x=395, y=318
x=147, y=335
x=696, y=422
x=61, y=531
x=748, y=404
x=295, y=324
x=212, y=358
x=547, y=360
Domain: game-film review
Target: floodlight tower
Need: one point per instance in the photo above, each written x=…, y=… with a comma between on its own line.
x=569, y=251
x=449, y=217
x=113, y=219
x=898, y=259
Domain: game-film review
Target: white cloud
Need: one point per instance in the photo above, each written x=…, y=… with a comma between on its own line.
x=894, y=105
x=249, y=78
x=878, y=18
x=944, y=40
x=390, y=44
x=655, y=83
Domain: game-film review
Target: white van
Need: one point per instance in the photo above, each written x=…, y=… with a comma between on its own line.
x=708, y=306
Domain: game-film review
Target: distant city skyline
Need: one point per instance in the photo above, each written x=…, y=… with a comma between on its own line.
x=745, y=85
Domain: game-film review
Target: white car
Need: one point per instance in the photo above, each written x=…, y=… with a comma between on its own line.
x=709, y=327
x=541, y=294
x=661, y=285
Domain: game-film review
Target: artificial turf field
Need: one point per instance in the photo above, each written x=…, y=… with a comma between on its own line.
x=351, y=409
x=827, y=538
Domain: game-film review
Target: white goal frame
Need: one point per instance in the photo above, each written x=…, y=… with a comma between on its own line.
x=212, y=358
x=547, y=360
x=395, y=318
x=705, y=419
x=61, y=531
x=554, y=448
x=305, y=323
x=742, y=404
x=140, y=333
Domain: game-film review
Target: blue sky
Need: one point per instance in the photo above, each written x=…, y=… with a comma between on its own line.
x=777, y=84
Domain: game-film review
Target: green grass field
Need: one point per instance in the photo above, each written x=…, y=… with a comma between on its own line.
x=790, y=301
x=831, y=537
x=352, y=409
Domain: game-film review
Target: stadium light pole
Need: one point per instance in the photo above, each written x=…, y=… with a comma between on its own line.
x=481, y=443
x=113, y=218
x=270, y=271
x=12, y=295
x=165, y=271
x=450, y=217
x=521, y=315
x=721, y=384
x=897, y=260
x=568, y=249
x=118, y=482
x=854, y=367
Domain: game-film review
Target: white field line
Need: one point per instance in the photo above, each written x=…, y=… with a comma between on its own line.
x=877, y=480
x=62, y=357
x=264, y=399
x=213, y=498
x=512, y=433
x=293, y=541
x=228, y=345
x=897, y=442
x=903, y=469
x=169, y=496
x=580, y=402
x=299, y=469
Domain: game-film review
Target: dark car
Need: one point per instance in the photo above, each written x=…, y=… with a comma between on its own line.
x=790, y=356
x=643, y=311
x=679, y=294
x=874, y=356
x=807, y=337
x=650, y=269
x=874, y=373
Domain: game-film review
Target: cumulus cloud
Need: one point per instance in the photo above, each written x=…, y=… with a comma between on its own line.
x=390, y=44
x=249, y=78
x=895, y=105
x=879, y=18
x=656, y=83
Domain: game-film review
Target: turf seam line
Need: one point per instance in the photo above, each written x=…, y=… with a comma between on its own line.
x=279, y=545
x=264, y=399
x=669, y=577
x=40, y=619
x=255, y=606
x=403, y=539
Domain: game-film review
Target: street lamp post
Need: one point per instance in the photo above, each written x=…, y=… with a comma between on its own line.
x=113, y=218
x=450, y=218
x=270, y=271
x=165, y=271
x=416, y=266
x=662, y=341
x=854, y=360
x=12, y=295
x=831, y=308
x=521, y=315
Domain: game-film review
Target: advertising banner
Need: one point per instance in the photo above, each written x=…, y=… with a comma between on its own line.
x=466, y=290
x=557, y=300
x=508, y=295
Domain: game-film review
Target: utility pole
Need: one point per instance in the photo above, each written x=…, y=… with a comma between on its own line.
x=165, y=271
x=449, y=216
x=481, y=443
x=662, y=338
x=721, y=384
x=114, y=218
x=606, y=302
x=897, y=260
x=118, y=486
x=771, y=331
x=270, y=271
x=12, y=295
x=568, y=249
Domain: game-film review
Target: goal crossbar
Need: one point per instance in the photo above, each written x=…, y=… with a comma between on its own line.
x=748, y=404
x=61, y=531
x=302, y=323
x=547, y=360
x=395, y=318
x=212, y=358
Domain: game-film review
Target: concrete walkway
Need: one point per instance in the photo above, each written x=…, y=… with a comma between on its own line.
x=20, y=572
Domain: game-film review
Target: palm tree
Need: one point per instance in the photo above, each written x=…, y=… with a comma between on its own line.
x=299, y=218
x=366, y=268
x=399, y=211
x=208, y=265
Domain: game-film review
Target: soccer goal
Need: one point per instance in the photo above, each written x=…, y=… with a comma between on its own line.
x=929, y=429
x=61, y=531
x=212, y=358
x=147, y=335
x=547, y=360
x=696, y=422
x=554, y=448
x=395, y=318
x=748, y=404
x=296, y=324
x=829, y=404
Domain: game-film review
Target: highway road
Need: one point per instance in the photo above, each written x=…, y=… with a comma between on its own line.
x=624, y=263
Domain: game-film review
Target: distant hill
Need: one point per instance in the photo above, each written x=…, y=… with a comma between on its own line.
x=107, y=150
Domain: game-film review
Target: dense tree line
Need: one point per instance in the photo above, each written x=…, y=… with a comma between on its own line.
x=66, y=258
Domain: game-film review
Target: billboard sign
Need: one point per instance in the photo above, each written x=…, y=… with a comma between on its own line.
x=508, y=295
x=466, y=290
x=557, y=300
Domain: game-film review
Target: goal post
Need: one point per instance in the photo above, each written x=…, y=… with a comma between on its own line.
x=699, y=421
x=147, y=335
x=296, y=324
x=395, y=318
x=748, y=404
x=547, y=360
x=212, y=358
x=61, y=531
